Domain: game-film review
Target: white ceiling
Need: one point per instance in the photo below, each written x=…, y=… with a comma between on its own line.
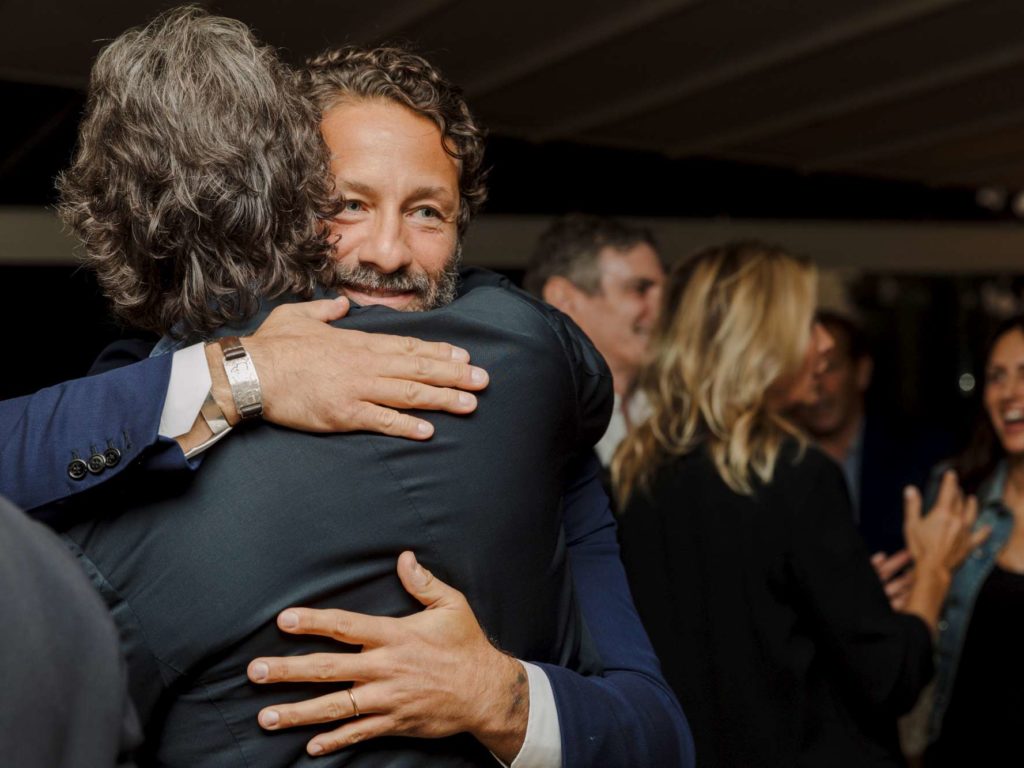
x=923, y=90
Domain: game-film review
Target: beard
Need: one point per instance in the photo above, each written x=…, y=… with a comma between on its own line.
x=431, y=289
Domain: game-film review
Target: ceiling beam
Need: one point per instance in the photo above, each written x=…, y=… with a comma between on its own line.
x=848, y=161
x=900, y=89
x=822, y=39
x=630, y=17
x=993, y=172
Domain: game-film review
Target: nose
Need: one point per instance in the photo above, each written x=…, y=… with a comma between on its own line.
x=1016, y=386
x=822, y=343
x=823, y=339
x=654, y=300
x=385, y=249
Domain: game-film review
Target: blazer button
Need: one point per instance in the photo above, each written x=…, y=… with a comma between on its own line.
x=111, y=457
x=77, y=469
x=97, y=463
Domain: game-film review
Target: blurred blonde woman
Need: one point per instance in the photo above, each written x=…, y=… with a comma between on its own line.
x=771, y=625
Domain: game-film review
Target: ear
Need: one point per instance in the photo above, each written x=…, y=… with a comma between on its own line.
x=865, y=368
x=560, y=293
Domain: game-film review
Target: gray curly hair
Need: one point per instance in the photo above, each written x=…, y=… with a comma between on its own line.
x=200, y=179
x=398, y=75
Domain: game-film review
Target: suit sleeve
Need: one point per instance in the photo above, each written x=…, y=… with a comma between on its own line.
x=627, y=716
x=883, y=655
x=591, y=379
x=42, y=434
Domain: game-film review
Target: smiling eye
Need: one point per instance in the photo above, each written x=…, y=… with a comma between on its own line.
x=427, y=213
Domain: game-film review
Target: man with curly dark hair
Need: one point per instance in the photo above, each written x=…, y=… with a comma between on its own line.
x=276, y=518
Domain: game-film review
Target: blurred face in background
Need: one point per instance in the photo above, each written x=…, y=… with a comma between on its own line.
x=619, y=317
x=802, y=389
x=1004, y=391
x=840, y=389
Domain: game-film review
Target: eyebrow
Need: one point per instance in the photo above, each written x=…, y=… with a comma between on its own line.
x=640, y=282
x=354, y=186
x=428, y=191
x=1004, y=367
x=420, y=192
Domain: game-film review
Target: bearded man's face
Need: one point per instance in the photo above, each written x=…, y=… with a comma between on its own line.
x=396, y=236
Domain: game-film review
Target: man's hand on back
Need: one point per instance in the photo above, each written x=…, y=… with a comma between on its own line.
x=428, y=675
x=317, y=378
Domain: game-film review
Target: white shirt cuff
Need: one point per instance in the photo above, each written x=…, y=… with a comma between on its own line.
x=186, y=391
x=542, y=747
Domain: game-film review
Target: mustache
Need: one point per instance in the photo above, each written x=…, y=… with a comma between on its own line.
x=431, y=289
x=359, y=276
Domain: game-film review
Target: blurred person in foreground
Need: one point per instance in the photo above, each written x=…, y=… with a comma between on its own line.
x=738, y=538
x=607, y=276
x=275, y=518
x=64, y=700
x=978, y=704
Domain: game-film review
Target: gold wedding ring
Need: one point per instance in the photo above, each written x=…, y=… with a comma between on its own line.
x=352, y=698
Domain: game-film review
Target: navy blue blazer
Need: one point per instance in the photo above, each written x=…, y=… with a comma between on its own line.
x=76, y=435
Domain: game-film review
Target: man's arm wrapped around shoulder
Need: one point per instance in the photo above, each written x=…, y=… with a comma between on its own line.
x=65, y=439
x=592, y=380
x=628, y=715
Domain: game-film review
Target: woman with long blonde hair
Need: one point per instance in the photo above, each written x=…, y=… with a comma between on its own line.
x=738, y=538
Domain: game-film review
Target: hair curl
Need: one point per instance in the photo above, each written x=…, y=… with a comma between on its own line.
x=200, y=176
x=735, y=323
x=570, y=248
x=398, y=75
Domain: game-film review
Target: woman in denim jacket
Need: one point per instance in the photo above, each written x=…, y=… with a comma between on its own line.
x=978, y=706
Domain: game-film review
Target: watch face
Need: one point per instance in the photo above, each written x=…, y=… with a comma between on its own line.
x=239, y=368
x=245, y=384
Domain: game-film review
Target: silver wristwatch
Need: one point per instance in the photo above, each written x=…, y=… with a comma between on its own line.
x=245, y=384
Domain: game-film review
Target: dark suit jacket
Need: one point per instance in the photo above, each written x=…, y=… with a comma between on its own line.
x=626, y=716
x=891, y=459
x=63, y=688
x=196, y=567
x=771, y=624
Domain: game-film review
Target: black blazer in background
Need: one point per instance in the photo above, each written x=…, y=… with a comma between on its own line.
x=195, y=568
x=771, y=626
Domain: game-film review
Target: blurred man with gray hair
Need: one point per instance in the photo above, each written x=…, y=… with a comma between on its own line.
x=607, y=276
